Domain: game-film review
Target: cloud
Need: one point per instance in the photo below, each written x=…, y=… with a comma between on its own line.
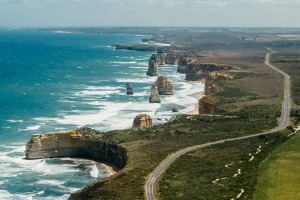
x=149, y=12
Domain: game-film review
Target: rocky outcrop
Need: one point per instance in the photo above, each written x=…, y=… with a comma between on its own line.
x=129, y=88
x=154, y=97
x=210, y=87
x=136, y=47
x=152, y=68
x=164, y=86
x=207, y=105
x=212, y=79
x=200, y=71
x=142, y=121
x=175, y=109
x=158, y=58
x=81, y=143
x=183, y=63
x=172, y=58
x=154, y=61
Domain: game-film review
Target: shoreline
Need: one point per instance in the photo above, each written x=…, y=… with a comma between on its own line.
x=198, y=96
x=112, y=169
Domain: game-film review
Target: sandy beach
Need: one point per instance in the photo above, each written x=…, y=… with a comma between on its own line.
x=198, y=96
x=111, y=168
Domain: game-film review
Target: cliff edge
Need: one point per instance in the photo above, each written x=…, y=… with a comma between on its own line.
x=80, y=143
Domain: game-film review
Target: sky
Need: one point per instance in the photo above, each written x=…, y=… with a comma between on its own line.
x=200, y=13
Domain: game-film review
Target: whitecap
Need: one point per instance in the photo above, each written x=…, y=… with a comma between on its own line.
x=96, y=92
x=94, y=170
x=50, y=182
x=5, y=195
x=62, y=32
x=90, y=118
x=119, y=62
x=137, y=80
x=30, y=128
x=103, y=87
x=14, y=121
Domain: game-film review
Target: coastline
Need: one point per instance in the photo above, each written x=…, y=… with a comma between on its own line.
x=198, y=96
x=112, y=169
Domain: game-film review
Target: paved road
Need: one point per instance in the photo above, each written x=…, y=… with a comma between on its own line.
x=284, y=120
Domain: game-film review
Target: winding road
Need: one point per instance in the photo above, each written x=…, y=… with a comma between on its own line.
x=284, y=120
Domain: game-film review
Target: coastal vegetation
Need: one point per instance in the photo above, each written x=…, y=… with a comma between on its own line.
x=248, y=103
x=241, y=116
x=223, y=171
x=279, y=178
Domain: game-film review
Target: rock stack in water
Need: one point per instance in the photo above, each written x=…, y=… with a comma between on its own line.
x=129, y=88
x=152, y=69
x=207, y=105
x=142, y=121
x=164, y=86
x=154, y=97
x=175, y=109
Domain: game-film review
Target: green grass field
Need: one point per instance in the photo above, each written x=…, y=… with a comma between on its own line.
x=280, y=177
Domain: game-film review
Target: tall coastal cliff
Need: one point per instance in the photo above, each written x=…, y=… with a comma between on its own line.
x=200, y=71
x=79, y=143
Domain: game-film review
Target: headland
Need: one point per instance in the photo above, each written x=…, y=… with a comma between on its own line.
x=242, y=97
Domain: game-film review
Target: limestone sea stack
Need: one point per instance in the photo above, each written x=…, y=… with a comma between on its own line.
x=159, y=58
x=207, y=105
x=154, y=97
x=80, y=143
x=175, y=109
x=152, y=66
x=164, y=86
x=129, y=88
x=142, y=121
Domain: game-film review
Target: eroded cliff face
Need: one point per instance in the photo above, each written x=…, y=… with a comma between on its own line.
x=207, y=105
x=213, y=78
x=142, y=121
x=183, y=63
x=200, y=71
x=79, y=143
x=164, y=86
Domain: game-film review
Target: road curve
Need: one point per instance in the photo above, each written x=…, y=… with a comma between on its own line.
x=284, y=120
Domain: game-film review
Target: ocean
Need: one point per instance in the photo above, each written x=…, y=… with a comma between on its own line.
x=53, y=81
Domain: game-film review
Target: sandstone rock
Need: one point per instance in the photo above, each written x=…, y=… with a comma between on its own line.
x=154, y=97
x=159, y=58
x=164, y=86
x=182, y=64
x=199, y=71
x=219, y=75
x=79, y=143
x=172, y=58
x=175, y=109
x=210, y=87
x=141, y=121
x=207, y=105
x=129, y=88
x=212, y=79
x=152, y=69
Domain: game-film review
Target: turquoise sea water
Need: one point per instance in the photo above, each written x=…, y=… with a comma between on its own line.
x=54, y=81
